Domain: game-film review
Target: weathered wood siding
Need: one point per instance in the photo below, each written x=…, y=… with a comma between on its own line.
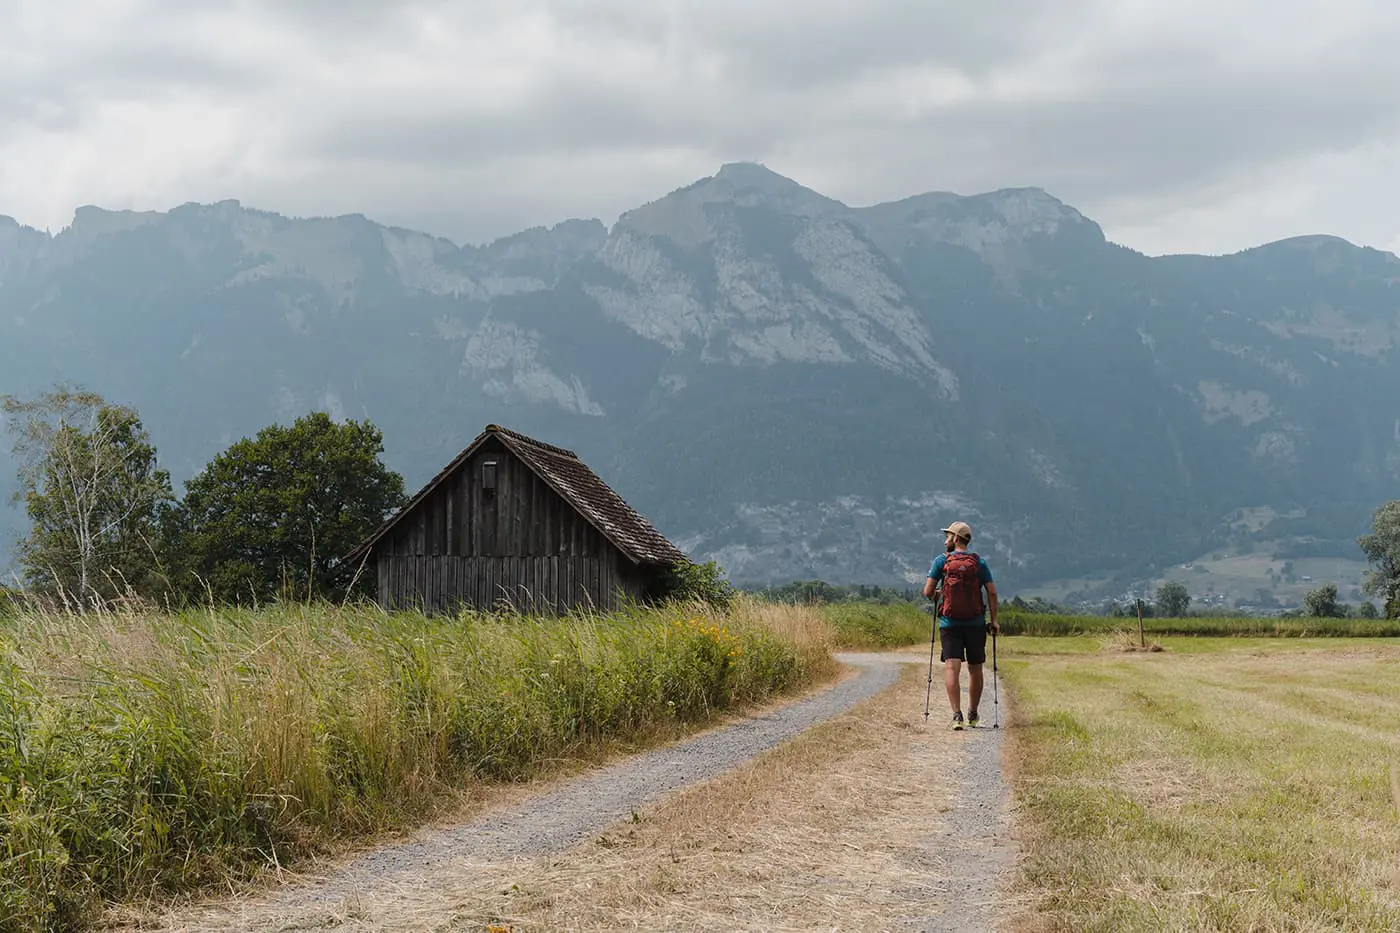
x=530, y=584
x=523, y=545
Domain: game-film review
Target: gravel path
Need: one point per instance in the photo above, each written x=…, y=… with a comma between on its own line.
x=976, y=838
x=584, y=807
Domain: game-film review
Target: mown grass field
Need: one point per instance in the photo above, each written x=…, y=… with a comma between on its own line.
x=1219, y=784
x=147, y=754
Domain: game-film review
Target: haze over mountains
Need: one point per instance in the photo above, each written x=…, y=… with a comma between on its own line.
x=789, y=385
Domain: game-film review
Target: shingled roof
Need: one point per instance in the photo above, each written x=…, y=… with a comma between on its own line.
x=572, y=479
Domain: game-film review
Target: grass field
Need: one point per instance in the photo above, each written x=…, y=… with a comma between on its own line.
x=1238, y=782
x=1219, y=784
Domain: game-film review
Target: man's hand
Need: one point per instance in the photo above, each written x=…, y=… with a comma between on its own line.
x=994, y=627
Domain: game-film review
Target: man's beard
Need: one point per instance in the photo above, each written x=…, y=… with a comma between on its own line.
x=949, y=547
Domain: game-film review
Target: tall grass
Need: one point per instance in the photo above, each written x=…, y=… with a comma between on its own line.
x=871, y=625
x=149, y=753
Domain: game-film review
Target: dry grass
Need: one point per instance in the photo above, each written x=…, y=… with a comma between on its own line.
x=804, y=627
x=1395, y=792
x=832, y=830
x=1129, y=640
x=1210, y=787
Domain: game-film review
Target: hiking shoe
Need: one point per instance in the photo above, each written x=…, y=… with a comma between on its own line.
x=972, y=721
x=958, y=720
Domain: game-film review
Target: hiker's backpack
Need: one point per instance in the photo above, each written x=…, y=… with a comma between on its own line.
x=962, y=586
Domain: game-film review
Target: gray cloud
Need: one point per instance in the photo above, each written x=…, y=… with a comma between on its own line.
x=1187, y=126
x=824, y=44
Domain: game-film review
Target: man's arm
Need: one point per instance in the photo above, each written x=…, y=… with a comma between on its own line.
x=935, y=571
x=992, y=605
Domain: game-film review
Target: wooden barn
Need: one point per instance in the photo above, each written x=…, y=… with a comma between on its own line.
x=515, y=521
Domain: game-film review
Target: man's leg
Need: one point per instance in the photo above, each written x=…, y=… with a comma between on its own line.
x=976, y=639
x=951, y=669
x=974, y=686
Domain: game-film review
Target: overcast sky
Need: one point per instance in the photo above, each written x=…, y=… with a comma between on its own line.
x=1177, y=126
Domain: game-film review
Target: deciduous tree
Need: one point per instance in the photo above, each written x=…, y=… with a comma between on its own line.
x=1382, y=549
x=275, y=515
x=1173, y=600
x=93, y=492
x=1321, y=603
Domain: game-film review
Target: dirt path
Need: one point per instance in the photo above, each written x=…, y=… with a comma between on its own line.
x=869, y=816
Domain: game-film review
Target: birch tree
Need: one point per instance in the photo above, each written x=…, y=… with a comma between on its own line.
x=93, y=493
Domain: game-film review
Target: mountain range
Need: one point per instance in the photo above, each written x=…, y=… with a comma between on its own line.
x=792, y=386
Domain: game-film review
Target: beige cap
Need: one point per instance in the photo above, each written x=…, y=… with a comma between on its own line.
x=960, y=529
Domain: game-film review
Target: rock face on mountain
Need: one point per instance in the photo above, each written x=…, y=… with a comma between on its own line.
x=790, y=385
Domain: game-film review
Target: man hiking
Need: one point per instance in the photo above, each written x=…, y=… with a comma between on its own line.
x=962, y=617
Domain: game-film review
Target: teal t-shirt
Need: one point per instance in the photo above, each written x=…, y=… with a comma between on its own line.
x=984, y=574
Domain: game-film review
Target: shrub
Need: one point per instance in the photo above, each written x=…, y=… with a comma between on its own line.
x=706, y=583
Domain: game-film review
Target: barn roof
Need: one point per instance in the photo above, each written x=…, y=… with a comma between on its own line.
x=572, y=479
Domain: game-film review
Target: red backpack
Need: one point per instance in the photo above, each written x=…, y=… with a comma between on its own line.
x=962, y=586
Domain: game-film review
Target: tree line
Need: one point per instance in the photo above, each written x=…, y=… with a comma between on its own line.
x=269, y=517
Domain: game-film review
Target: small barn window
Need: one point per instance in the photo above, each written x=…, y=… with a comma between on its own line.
x=488, y=477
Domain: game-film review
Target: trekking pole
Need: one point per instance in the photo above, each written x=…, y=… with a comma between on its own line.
x=996, y=700
x=932, y=639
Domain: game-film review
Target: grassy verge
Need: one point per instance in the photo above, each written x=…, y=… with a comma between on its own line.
x=1014, y=623
x=1217, y=785
x=142, y=754
x=871, y=625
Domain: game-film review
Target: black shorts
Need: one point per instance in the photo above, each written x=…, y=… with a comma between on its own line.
x=965, y=643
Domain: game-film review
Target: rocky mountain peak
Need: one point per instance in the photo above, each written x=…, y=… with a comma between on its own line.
x=14, y=230
x=686, y=216
x=753, y=175
x=20, y=246
x=572, y=238
x=751, y=183
x=90, y=222
x=1030, y=210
